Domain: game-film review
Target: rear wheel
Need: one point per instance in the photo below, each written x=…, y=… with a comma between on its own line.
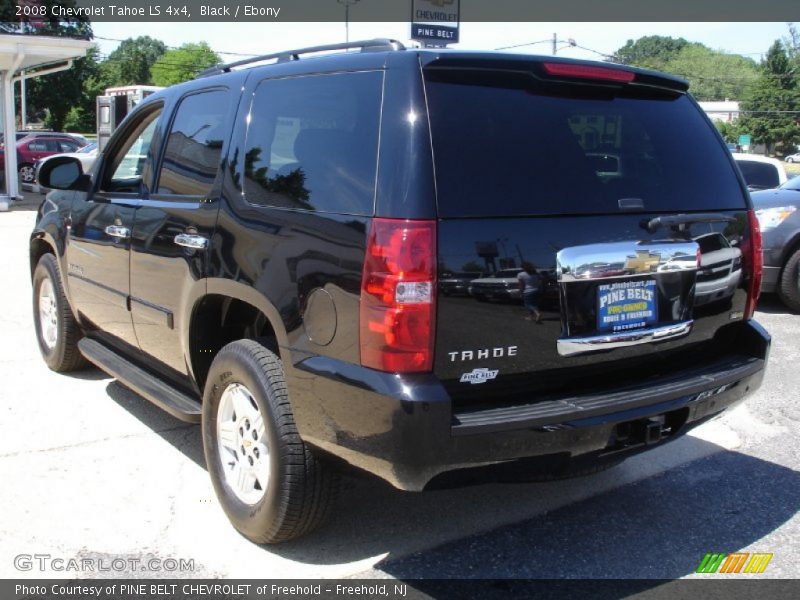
x=270, y=484
x=26, y=173
x=56, y=329
x=789, y=284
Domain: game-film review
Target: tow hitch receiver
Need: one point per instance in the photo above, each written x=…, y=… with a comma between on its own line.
x=653, y=429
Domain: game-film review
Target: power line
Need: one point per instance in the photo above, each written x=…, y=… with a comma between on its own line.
x=106, y=39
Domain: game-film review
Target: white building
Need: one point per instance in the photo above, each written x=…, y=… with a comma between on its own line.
x=726, y=111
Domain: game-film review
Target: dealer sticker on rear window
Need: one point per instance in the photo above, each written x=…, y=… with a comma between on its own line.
x=626, y=305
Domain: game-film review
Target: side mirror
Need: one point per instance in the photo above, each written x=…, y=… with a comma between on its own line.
x=62, y=173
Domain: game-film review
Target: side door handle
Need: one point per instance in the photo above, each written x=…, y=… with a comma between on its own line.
x=118, y=231
x=188, y=240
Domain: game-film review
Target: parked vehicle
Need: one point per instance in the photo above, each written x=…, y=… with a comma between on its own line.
x=456, y=283
x=793, y=158
x=720, y=269
x=760, y=172
x=258, y=249
x=502, y=285
x=778, y=213
x=37, y=133
x=34, y=147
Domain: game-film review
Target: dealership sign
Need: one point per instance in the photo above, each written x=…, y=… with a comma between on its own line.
x=435, y=22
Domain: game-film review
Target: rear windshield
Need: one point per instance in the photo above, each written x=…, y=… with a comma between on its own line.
x=509, y=145
x=759, y=175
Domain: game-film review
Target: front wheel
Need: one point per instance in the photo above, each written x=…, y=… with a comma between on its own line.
x=56, y=329
x=789, y=284
x=26, y=173
x=270, y=484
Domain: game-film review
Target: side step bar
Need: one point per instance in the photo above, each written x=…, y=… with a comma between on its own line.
x=179, y=405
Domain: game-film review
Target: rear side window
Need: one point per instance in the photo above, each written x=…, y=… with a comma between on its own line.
x=194, y=145
x=312, y=143
x=509, y=145
x=758, y=174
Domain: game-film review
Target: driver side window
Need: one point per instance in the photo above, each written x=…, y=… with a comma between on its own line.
x=127, y=165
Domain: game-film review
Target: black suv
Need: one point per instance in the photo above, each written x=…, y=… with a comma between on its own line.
x=258, y=249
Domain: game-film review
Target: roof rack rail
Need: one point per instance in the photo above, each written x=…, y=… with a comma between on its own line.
x=374, y=45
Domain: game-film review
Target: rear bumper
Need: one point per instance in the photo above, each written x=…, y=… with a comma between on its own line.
x=403, y=428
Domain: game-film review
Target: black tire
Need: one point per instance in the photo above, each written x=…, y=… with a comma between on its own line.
x=63, y=355
x=789, y=282
x=301, y=489
x=26, y=173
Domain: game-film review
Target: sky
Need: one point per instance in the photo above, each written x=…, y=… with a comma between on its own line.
x=231, y=40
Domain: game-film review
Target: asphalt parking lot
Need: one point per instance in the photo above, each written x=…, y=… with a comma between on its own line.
x=91, y=470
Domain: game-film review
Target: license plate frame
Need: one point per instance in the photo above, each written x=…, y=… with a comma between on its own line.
x=626, y=304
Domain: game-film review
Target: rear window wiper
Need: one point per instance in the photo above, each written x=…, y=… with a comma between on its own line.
x=680, y=221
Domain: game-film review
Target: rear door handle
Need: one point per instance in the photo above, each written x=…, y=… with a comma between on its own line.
x=188, y=240
x=118, y=231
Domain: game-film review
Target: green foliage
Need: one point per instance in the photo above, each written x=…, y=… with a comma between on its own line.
x=76, y=27
x=131, y=62
x=652, y=51
x=770, y=103
x=182, y=64
x=729, y=131
x=713, y=75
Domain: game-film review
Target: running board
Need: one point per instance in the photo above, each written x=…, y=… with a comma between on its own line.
x=179, y=405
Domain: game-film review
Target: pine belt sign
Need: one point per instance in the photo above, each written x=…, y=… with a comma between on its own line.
x=435, y=22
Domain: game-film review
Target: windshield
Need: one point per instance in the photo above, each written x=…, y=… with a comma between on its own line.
x=507, y=144
x=792, y=184
x=507, y=273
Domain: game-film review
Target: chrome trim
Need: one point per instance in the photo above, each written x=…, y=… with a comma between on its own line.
x=617, y=260
x=622, y=339
x=187, y=240
x=118, y=232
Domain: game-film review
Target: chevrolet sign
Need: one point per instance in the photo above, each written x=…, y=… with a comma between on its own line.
x=435, y=21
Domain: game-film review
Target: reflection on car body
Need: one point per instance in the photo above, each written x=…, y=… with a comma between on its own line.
x=720, y=269
x=502, y=285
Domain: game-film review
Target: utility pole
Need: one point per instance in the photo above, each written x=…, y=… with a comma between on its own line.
x=555, y=41
x=347, y=4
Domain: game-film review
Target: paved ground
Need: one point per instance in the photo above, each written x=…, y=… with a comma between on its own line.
x=90, y=470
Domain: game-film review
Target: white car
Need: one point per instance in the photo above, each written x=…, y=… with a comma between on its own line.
x=760, y=172
x=793, y=158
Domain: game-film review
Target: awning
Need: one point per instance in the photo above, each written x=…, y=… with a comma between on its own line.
x=36, y=55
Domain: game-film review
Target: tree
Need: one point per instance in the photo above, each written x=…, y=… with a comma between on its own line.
x=713, y=75
x=729, y=131
x=771, y=104
x=131, y=62
x=73, y=90
x=63, y=26
x=57, y=93
x=652, y=51
x=182, y=64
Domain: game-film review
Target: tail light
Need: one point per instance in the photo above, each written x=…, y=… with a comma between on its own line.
x=753, y=256
x=398, y=296
x=589, y=72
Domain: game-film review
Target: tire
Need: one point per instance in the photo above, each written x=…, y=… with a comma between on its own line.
x=287, y=491
x=789, y=160
x=790, y=282
x=26, y=173
x=56, y=329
